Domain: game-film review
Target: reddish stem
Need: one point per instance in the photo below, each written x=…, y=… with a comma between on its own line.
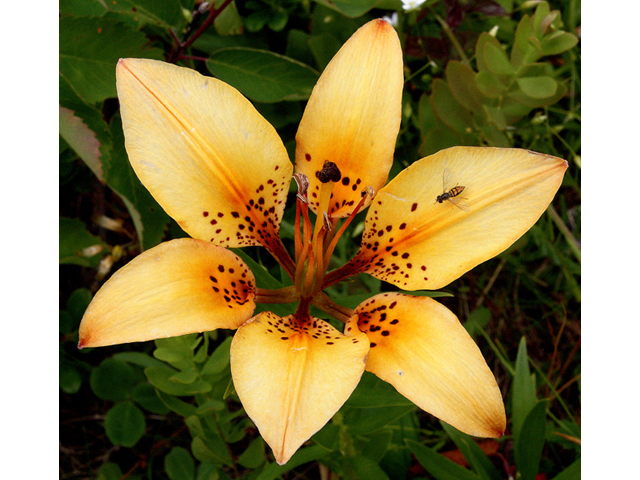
x=176, y=54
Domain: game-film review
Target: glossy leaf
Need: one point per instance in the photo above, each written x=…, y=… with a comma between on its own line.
x=350, y=8
x=85, y=62
x=261, y=75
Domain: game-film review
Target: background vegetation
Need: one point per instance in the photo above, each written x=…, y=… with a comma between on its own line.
x=478, y=72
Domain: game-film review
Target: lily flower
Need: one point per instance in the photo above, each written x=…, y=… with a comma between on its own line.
x=221, y=171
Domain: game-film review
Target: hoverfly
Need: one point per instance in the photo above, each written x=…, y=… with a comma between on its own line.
x=451, y=193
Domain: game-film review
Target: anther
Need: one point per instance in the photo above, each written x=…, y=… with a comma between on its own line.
x=329, y=173
x=369, y=191
x=303, y=185
x=327, y=222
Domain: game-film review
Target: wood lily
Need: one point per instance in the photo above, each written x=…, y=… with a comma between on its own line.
x=221, y=171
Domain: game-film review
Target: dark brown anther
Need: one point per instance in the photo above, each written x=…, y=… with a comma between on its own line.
x=329, y=173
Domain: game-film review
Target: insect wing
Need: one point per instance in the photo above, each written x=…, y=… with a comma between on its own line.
x=446, y=180
x=460, y=203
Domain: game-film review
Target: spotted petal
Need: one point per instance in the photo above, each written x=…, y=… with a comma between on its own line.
x=353, y=117
x=415, y=242
x=203, y=151
x=179, y=287
x=419, y=347
x=292, y=379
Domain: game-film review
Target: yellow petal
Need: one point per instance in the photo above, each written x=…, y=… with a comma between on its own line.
x=353, y=117
x=419, y=347
x=179, y=287
x=203, y=151
x=291, y=379
x=416, y=243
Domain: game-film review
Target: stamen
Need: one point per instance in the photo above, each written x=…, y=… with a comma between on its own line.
x=303, y=185
x=327, y=222
x=334, y=241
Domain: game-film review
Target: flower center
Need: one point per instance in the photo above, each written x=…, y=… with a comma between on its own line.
x=314, y=245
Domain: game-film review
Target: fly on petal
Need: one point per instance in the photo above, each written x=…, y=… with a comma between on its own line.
x=415, y=242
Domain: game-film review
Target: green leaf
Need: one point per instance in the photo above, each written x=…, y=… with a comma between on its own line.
x=124, y=424
x=365, y=467
x=109, y=471
x=78, y=303
x=529, y=443
x=89, y=50
x=146, y=396
x=374, y=404
x=160, y=377
x=538, y=87
x=572, y=472
x=522, y=51
x=176, y=405
x=211, y=449
x=82, y=8
x=525, y=100
x=304, y=455
x=84, y=129
x=77, y=246
x=148, y=217
x=208, y=471
x=461, y=80
x=523, y=394
x=558, y=42
x=472, y=453
x=448, y=109
x=496, y=59
x=489, y=85
x=112, y=380
x=179, y=464
x=263, y=76
x=218, y=360
x=323, y=47
x=165, y=14
x=253, y=456
x=138, y=358
x=350, y=8
x=440, y=467
x=69, y=379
